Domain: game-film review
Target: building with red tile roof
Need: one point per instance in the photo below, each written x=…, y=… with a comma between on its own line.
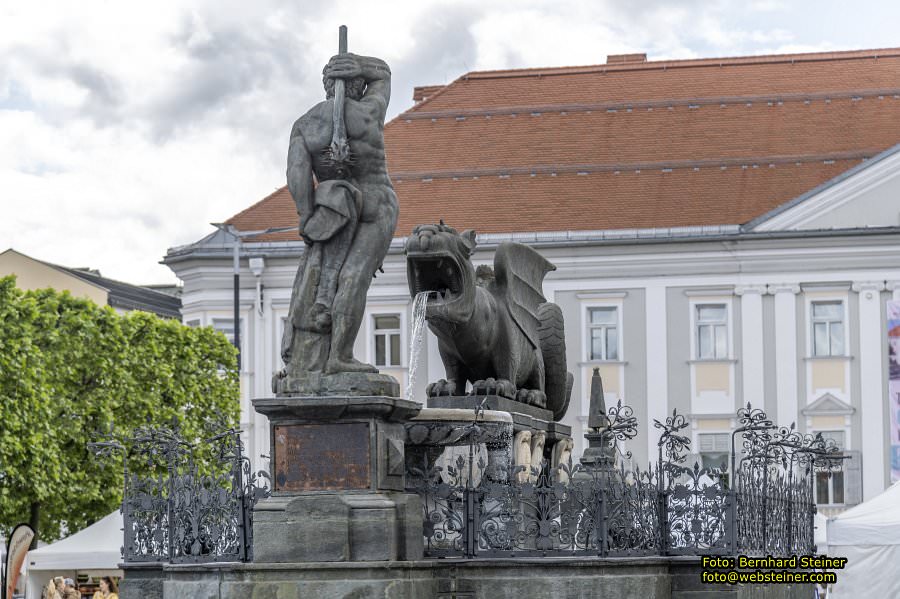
x=725, y=231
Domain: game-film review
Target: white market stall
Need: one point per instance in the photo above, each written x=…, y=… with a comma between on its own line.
x=868, y=535
x=96, y=551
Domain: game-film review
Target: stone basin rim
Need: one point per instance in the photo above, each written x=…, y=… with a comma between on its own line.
x=460, y=415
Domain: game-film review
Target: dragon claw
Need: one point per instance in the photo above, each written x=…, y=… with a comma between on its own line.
x=491, y=386
x=533, y=397
x=441, y=387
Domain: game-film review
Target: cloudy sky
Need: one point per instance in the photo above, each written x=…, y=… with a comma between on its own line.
x=127, y=127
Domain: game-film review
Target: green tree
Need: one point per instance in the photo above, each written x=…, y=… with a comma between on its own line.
x=70, y=368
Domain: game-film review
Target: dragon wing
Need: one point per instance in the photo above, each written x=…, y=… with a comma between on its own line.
x=519, y=272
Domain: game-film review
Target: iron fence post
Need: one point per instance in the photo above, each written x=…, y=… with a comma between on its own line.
x=602, y=523
x=813, y=509
x=246, y=548
x=470, y=521
x=662, y=502
x=790, y=505
x=732, y=492
x=471, y=545
x=170, y=510
x=765, y=509
x=731, y=537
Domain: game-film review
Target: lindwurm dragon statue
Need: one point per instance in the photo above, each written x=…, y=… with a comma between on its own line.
x=495, y=328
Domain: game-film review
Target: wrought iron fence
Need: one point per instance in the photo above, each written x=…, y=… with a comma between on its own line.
x=599, y=508
x=186, y=502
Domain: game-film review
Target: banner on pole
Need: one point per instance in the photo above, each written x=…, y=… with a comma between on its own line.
x=16, y=550
x=893, y=336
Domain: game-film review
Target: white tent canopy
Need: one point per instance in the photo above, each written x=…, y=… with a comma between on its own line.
x=97, y=549
x=819, y=536
x=868, y=535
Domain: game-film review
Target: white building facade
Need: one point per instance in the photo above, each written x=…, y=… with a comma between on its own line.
x=787, y=312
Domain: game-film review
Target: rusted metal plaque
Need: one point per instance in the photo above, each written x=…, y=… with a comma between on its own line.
x=322, y=457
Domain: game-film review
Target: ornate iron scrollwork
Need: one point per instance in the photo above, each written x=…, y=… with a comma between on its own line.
x=764, y=505
x=184, y=501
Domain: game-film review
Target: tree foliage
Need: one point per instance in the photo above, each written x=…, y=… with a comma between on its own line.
x=69, y=369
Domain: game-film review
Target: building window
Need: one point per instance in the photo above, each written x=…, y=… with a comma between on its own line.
x=387, y=340
x=830, y=485
x=714, y=449
x=603, y=333
x=712, y=331
x=828, y=328
x=193, y=323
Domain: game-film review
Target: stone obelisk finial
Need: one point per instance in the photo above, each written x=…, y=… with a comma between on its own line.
x=598, y=452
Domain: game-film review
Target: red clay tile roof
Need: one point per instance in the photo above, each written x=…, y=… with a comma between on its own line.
x=630, y=145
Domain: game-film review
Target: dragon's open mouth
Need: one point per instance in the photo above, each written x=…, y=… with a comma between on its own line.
x=437, y=273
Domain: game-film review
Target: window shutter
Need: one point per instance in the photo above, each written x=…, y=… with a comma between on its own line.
x=717, y=442
x=852, y=478
x=723, y=442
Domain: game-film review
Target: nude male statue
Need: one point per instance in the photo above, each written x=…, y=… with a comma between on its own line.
x=348, y=213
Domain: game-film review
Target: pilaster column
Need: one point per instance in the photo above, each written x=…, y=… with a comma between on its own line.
x=785, y=352
x=752, y=342
x=265, y=367
x=657, y=363
x=872, y=384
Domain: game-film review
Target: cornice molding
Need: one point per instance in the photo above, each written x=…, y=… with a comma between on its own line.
x=589, y=295
x=859, y=286
x=825, y=287
x=783, y=288
x=741, y=290
x=717, y=291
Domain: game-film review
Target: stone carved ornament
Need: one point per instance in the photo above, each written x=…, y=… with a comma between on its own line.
x=495, y=328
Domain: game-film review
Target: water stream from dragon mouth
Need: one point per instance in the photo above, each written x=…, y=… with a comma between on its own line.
x=416, y=338
x=415, y=343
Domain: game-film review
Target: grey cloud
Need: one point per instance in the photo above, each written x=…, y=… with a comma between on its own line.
x=224, y=70
x=445, y=49
x=102, y=87
x=105, y=98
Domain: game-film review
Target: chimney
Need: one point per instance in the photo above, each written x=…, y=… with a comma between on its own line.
x=626, y=58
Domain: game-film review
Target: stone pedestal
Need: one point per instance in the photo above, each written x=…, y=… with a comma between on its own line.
x=599, y=451
x=338, y=481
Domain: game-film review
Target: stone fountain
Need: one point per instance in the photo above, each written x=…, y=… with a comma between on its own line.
x=341, y=522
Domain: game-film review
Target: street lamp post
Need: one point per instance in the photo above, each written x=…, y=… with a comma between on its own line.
x=239, y=236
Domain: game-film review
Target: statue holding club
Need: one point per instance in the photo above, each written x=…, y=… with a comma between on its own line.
x=337, y=176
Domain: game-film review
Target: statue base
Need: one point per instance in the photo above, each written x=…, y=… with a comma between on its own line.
x=338, y=527
x=320, y=384
x=338, y=479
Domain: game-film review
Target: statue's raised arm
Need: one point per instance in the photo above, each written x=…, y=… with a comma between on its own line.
x=368, y=71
